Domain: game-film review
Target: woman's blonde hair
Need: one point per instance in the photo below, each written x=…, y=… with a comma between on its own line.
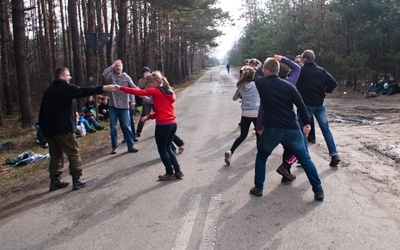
x=157, y=77
x=247, y=76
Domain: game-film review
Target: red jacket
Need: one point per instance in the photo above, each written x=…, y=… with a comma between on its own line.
x=163, y=101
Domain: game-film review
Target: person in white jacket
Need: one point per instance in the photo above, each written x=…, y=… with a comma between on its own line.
x=247, y=91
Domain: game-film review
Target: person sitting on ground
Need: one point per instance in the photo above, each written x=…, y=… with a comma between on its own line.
x=377, y=87
x=391, y=87
x=103, y=109
x=91, y=121
x=90, y=105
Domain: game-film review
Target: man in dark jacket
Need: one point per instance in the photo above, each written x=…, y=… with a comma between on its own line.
x=58, y=122
x=313, y=83
x=280, y=126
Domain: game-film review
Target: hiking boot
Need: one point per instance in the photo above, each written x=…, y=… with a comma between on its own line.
x=334, y=161
x=228, y=156
x=319, y=196
x=282, y=170
x=167, y=177
x=133, y=150
x=114, y=151
x=288, y=181
x=56, y=183
x=78, y=183
x=181, y=148
x=256, y=192
x=99, y=128
x=179, y=175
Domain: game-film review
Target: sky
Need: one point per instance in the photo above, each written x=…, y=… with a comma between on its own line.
x=232, y=33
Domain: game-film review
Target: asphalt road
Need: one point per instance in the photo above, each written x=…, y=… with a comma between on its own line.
x=125, y=207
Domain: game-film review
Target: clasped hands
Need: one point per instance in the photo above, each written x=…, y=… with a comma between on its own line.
x=111, y=87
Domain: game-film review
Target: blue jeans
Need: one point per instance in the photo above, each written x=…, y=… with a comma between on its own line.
x=164, y=135
x=320, y=114
x=293, y=140
x=116, y=114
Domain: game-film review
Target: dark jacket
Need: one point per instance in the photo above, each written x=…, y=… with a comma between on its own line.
x=57, y=110
x=277, y=99
x=313, y=83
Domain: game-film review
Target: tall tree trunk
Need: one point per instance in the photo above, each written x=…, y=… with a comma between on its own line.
x=5, y=59
x=91, y=57
x=76, y=50
x=47, y=65
x=110, y=53
x=24, y=89
x=64, y=35
x=123, y=31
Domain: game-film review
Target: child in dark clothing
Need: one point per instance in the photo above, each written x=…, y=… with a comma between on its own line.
x=103, y=109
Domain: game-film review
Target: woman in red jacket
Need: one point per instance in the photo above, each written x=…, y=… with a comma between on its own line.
x=163, y=100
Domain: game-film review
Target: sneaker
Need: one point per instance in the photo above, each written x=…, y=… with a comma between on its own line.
x=99, y=128
x=166, y=177
x=319, y=196
x=228, y=156
x=46, y=145
x=282, y=170
x=334, y=161
x=288, y=181
x=256, y=192
x=181, y=148
x=179, y=175
x=133, y=150
x=114, y=151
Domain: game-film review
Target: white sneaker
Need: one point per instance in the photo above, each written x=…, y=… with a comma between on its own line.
x=228, y=156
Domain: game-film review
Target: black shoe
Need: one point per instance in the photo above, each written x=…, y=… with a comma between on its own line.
x=334, y=161
x=99, y=128
x=288, y=181
x=282, y=170
x=92, y=131
x=78, y=183
x=135, y=140
x=56, y=183
x=311, y=141
x=319, y=197
x=256, y=192
x=123, y=141
x=137, y=134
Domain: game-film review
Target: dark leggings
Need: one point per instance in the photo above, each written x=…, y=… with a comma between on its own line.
x=164, y=135
x=244, y=131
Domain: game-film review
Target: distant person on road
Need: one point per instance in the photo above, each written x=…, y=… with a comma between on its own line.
x=247, y=91
x=166, y=124
x=120, y=105
x=280, y=126
x=228, y=66
x=313, y=83
x=58, y=122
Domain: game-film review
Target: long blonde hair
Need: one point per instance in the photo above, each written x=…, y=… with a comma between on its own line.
x=157, y=77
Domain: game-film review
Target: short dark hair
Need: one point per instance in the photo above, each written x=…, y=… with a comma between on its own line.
x=60, y=71
x=309, y=55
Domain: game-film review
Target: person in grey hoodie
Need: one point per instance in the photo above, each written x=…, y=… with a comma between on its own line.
x=247, y=91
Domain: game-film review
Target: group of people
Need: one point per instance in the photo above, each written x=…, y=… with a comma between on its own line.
x=268, y=94
x=58, y=119
x=383, y=86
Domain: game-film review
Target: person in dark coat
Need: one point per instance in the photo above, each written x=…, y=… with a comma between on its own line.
x=57, y=118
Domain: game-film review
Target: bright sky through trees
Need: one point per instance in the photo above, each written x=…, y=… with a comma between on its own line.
x=232, y=33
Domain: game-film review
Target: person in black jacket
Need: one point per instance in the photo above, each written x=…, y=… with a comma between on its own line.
x=313, y=83
x=280, y=126
x=57, y=118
